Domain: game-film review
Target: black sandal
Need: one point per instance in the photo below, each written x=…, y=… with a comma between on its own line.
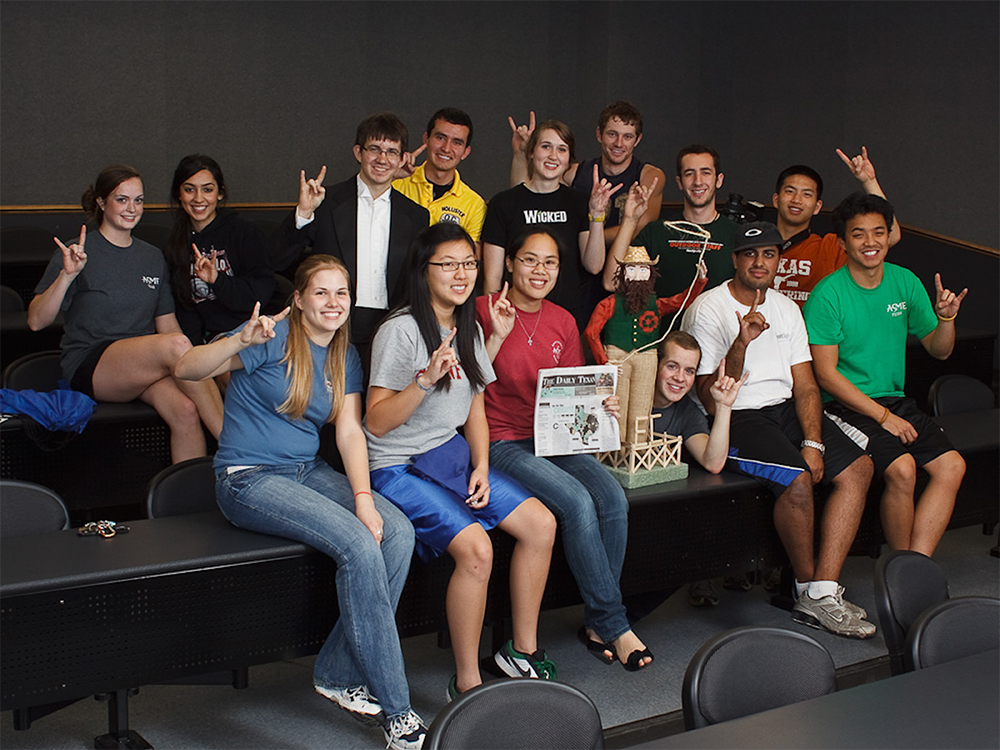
x=633, y=665
x=598, y=649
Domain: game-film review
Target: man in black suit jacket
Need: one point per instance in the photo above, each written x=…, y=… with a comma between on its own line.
x=328, y=222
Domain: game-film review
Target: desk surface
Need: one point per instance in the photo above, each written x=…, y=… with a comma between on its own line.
x=61, y=559
x=951, y=705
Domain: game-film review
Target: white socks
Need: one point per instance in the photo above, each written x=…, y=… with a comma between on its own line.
x=816, y=589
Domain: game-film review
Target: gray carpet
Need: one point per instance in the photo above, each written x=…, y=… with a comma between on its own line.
x=280, y=709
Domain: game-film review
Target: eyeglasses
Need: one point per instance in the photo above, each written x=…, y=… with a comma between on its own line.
x=551, y=264
x=392, y=153
x=452, y=265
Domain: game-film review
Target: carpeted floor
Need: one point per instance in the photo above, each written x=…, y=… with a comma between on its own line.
x=280, y=709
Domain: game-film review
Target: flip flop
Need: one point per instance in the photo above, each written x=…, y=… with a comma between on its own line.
x=633, y=665
x=596, y=648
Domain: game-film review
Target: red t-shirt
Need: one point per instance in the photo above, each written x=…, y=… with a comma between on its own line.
x=803, y=265
x=555, y=342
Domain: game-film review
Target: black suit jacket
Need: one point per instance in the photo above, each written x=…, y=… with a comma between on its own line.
x=334, y=231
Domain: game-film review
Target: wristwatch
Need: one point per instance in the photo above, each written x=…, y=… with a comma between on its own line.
x=813, y=444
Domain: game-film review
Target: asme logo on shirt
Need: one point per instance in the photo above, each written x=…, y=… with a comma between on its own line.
x=896, y=308
x=151, y=281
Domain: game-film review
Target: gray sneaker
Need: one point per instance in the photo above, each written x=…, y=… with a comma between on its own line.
x=357, y=701
x=831, y=613
x=859, y=611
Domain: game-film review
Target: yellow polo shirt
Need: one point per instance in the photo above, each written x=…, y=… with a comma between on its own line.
x=460, y=205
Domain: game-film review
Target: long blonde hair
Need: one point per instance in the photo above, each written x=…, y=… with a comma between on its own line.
x=299, y=367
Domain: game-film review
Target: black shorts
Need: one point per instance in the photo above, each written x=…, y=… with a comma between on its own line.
x=882, y=445
x=83, y=378
x=765, y=444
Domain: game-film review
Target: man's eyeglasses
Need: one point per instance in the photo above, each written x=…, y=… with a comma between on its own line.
x=452, y=265
x=392, y=153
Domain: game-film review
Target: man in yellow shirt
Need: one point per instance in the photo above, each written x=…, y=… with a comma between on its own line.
x=435, y=184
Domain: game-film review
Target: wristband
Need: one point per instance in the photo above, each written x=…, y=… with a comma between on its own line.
x=947, y=319
x=364, y=492
x=884, y=416
x=416, y=379
x=598, y=219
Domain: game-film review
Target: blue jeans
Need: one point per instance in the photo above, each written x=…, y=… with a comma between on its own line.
x=592, y=512
x=313, y=504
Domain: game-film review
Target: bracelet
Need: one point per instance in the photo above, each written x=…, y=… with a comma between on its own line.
x=598, y=219
x=416, y=379
x=364, y=492
x=947, y=319
x=884, y=416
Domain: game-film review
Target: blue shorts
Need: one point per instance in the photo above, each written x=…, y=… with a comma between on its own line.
x=437, y=513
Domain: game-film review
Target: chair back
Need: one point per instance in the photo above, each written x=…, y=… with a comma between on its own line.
x=954, y=394
x=185, y=487
x=751, y=669
x=10, y=300
x=29, y=508
x=953, y=629
x=518, y=714
x=906, y=583
x=38, y=371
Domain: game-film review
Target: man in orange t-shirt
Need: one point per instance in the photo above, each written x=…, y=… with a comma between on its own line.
x=807, y=257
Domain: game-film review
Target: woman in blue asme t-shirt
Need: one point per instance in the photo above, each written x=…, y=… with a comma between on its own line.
x=290, y=376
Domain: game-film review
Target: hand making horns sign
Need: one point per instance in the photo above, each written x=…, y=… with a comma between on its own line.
x=638, y=199
x=74, y=256
x=311, y=193
x=521, y=133
x=860, y=166
x=600, y=194
x=752, y=324
x=948, y=302
x=204, y=265
x=725, y=389
x=442, y=359
x=409, y=162
x=260, y=328
x=502, y=314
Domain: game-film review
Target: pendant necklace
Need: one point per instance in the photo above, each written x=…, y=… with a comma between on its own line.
x=531, y=335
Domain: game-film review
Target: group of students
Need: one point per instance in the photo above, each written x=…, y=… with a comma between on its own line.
x=429, y=384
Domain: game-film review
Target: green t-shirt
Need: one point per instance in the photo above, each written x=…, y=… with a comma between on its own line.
x=679, y=251
x=870, y=326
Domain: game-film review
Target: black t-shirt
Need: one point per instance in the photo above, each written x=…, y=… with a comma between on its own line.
x=564, y=214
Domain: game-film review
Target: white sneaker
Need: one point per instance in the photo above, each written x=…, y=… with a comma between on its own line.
x=832, y=614
x=859, y=611
x=357, y=701
x=404, y=732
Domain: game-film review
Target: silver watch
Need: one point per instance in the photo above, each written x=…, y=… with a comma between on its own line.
x=813, y=444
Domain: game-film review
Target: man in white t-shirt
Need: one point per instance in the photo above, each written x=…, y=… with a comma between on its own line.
x=778, y=433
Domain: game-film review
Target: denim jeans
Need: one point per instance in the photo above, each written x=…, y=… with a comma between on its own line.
x=592, y=512
x=313, y=504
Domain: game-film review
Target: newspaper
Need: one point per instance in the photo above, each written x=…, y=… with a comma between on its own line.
x=569, y=414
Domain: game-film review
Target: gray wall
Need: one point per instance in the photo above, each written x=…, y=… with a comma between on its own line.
x=269, y=88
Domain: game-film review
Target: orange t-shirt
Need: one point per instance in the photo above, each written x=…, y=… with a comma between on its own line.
x=804, y=264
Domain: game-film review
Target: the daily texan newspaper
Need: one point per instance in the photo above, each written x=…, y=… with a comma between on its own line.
x=569, y=413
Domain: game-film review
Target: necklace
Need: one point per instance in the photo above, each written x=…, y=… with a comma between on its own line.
x=531, y=335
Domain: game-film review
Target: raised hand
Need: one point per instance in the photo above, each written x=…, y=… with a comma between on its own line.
x=521, y=133
x=860, y=166
x=752, y=324
x=702, y=269
x=479, y=488
x=409, y=162
x=638, y=199
x=74, y=256
x=442, y=359
x=311, y=193
x=600, y=194
x=204, y=266
x=725, y=389
x=502, y=314
x=947, y=301
x=260, y=328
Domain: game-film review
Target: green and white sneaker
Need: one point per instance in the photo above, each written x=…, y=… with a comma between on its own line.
x=515, y=664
